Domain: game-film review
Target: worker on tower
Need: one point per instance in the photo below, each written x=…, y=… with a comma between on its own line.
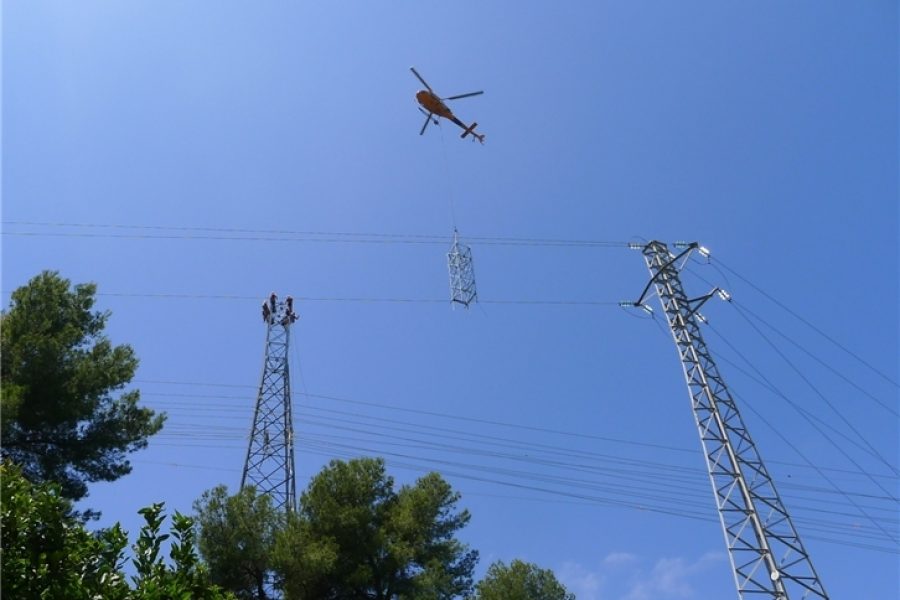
x=266, y=312
x=272, y=299
x=290, y=308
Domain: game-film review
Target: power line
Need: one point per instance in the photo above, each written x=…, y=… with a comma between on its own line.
x=195, y=434
x=355, y=299
x=818, y=392
x=784, y=438
x=462, y=418
x=464, y=443
x=810, y=418
x=474, y=420
x=800, y=346
x=653, y=474
x=659, y=472
x=644, y=492
x=805, y=322
x=281, y=235
x=349, y=299
x=493, y=477
x=890, y=409
x=767, y=386
x=664, y=468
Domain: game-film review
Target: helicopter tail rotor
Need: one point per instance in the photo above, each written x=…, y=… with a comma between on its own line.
x=475, y=136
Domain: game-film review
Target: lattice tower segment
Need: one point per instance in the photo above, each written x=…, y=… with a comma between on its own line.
x=767, y=556
x=269, y=465
x=462, y=273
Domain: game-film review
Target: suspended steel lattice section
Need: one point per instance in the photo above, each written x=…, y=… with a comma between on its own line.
x=269, y=465
x=767, y=556
x=462, y=274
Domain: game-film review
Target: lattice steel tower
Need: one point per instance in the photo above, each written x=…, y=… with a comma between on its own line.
x=269, y=465
x=462, y=273
x=767, y=556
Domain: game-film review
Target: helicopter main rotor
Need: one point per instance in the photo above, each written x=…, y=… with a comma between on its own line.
x=428, y=87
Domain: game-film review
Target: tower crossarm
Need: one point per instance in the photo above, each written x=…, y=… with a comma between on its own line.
x=766, y=553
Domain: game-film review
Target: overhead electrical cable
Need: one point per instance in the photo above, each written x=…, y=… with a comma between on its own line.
x=491, y=422
x=803, y=413
x=205, y=431
x=350, y=299
x=419, y=443
x=554, y=495
x=819, y=393
x=778, y=331
x=806, y=322
x=544, y=481
x=799, y=346
x=280, y=235
x=803, y=456
x=653, y=479
x=356, y=299
x=310, y=416
x=356, y=449
x=809, y=414
x=360, y=432
x=462, y=418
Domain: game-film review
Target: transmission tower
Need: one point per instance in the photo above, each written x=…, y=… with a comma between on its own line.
x=767, y=557
x=462, y=274
x=269, y=465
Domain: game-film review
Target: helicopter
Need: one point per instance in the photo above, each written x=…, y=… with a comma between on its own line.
x=432, y=104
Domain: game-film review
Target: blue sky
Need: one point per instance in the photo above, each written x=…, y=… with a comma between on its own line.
x=139, y=137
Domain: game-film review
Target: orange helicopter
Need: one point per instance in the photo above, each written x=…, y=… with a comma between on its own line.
x=432, y=104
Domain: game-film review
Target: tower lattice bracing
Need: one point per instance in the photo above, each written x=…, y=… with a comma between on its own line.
x=269, y=465
x=767, y=556
x=462, y=274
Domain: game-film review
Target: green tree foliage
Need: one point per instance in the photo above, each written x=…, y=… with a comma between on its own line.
x=47, y=553
x=236, y=538
x=355, y=537
x=520, y=581
x=59, y=419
